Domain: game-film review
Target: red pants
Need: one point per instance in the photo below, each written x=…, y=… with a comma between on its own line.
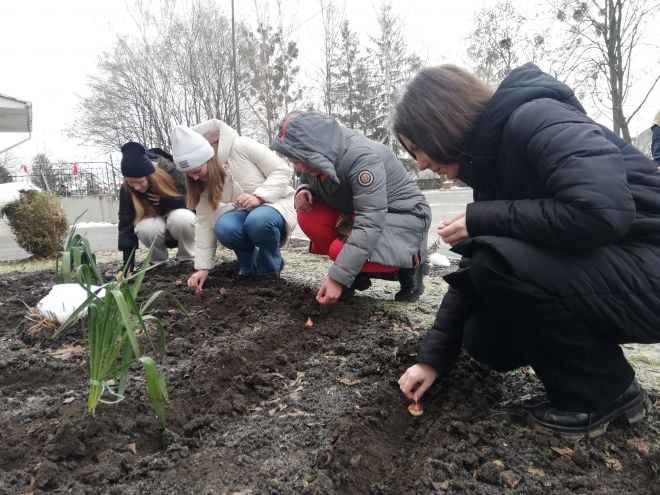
x=319, y=225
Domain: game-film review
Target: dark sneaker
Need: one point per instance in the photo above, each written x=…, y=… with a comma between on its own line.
x=633, y=403
x=361, y=282
x=412, y=283
x=272, y=275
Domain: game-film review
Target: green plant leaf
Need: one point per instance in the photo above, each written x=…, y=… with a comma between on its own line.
x=126, y=318
x=66, y=267
x=155, y=387
x=126, y=355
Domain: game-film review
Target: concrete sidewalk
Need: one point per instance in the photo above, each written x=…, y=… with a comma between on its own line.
x=100, y=239
x=444, y=204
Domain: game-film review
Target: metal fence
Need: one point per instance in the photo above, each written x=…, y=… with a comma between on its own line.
x=103, y=178
x=75, y=178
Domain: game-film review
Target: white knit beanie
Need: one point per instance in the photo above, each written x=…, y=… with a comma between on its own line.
x=189, y=148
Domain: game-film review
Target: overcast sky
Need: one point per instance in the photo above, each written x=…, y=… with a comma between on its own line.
x=50, y=47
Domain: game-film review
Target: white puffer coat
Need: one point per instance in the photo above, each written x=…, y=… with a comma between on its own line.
x=251, y=168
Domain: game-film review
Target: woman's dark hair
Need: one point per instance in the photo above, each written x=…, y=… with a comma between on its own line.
x=439, y=107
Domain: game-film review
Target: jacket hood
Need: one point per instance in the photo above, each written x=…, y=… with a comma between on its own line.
x=522, y=85
x=313, y=138
x=169, y=167
x=226, y=136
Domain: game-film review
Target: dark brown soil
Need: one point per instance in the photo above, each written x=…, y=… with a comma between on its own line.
x=259, y=403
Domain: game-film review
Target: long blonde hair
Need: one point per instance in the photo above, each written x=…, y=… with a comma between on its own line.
x=161, y=183
x=216, y=180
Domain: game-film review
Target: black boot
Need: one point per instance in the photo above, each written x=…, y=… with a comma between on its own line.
x=634, y=403
x=412, y=283
x=361, y=282
x=392, y=276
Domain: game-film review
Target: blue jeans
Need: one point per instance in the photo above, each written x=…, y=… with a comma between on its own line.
x=254, y=236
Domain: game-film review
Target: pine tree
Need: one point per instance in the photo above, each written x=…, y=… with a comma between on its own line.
x=5, y=176
x=352, y=82
x=44, y=174
x=392, y=67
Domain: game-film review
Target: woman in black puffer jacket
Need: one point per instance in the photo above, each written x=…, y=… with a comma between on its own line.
x=152, y=206
x=561, y=246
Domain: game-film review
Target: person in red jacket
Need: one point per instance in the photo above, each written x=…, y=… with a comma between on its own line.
x=561, y=246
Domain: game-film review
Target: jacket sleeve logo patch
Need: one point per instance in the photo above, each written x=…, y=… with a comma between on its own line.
x=365, y=178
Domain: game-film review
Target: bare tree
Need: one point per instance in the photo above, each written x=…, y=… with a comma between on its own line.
x=333, y=20
x=272, y=74
x=606, y=36
x=500, y=42
x=179, y=65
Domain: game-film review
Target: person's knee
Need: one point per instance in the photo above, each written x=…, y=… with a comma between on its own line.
x=486, y=269
x=474, y=339
x=306, y=219
x=181, y=222
x=227, y=233
x=485, y=341
x=335, y=248
x=181, y=218
x=319, y=222
x=150, y=229
x=264, y=226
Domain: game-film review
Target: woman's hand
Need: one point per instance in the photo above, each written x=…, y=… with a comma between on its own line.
x=454, y=230
x=303, y=200
x=154, y=198
x=329, y=292
x=416, y=380
x=197, y=279
x=248, y=201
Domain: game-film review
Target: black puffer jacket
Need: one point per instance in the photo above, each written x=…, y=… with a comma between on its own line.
x=560, y=198
x=127, y=240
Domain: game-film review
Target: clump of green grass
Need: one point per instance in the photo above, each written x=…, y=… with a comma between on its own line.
x=113, y=323
x=76, y=254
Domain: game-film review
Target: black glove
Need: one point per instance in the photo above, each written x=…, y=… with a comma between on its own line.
x=129, y=261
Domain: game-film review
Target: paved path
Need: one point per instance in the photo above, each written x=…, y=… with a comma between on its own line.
x=443, y=205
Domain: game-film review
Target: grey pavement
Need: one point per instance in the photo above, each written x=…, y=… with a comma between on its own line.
x=444, y=204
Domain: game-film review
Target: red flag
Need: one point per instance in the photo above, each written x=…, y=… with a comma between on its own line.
x=74, y=172
x=24, y=169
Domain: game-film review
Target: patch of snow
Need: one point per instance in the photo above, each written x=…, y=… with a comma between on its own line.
x=437, y=259
x=11, y=191
x=63, y=299
x=91, y=225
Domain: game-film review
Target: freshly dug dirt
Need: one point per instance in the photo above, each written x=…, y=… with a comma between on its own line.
x=261, y=403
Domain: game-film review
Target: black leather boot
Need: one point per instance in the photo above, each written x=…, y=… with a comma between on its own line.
x=412, y=283
x=361, y=282
x=633, y=403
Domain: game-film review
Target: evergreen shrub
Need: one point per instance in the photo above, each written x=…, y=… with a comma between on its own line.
x=38, y=222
